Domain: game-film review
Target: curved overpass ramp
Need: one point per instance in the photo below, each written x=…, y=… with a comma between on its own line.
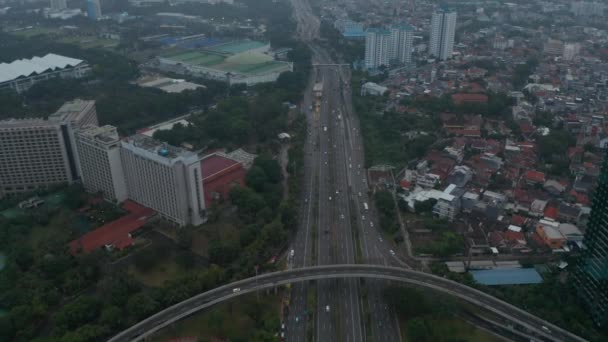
x=543, y=329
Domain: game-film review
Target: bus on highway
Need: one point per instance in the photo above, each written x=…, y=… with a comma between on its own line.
x=365, y=206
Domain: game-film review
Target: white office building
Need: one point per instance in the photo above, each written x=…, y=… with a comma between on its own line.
x=377, y=48
x=58, y=5
x=588, y=8
x=98, y=150
x=400, y=45
x=164, y=178
x=571, y=50
x=443, y=29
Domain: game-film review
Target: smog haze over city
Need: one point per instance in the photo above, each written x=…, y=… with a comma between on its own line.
x=303, y=170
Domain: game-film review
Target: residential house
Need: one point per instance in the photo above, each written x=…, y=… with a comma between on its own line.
x=554, y=187
x=568, y=213
x=548, y=231
x=461, y=175
x=448, y=204
x=533, y=177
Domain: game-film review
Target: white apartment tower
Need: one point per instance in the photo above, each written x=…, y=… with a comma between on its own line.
x=98, y=150
x=443, y=29
x=165, y=178
x=400, y=45
x=58, y=5
x=377, y=48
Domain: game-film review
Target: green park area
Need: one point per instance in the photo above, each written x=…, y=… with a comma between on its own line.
x=427, y=316
x=448, y=329
x=90, y=42
x=247, y=318
x=35, y=31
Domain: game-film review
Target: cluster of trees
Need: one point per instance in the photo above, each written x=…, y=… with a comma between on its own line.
x=553, y=149
x=497, y=107
x=555, y=300
x=50, y=295
x=383, y=132
x=262, y=220
x=446, y=244
x=387, y=213
x=425, y=314
x=522, y=72
x=349, y=50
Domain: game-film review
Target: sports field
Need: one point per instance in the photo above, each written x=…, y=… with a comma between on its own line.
x=236, y=57
x=237, y=46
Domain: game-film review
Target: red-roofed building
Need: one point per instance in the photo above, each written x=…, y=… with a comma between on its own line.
x=219, y=175
x=515, y=237
x=551, y=212
x=579, y=197
x=116, y=234
x=462, y=98
x=518, y=220
x=405, y=185
x=534, y=177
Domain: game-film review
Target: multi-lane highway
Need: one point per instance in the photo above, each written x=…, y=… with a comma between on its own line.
x=335, y=221
x=532, y=325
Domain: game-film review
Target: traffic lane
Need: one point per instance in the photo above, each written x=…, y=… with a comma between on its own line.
x=325, y=322
x=349, y=303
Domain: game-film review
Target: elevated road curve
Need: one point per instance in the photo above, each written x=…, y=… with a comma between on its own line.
x=544, y=330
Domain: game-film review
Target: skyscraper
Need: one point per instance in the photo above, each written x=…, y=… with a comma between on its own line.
x=58, y=5
x=377, y=48
x=443, y=29
x=400, y=46
x=94, y=9
x=591, y=274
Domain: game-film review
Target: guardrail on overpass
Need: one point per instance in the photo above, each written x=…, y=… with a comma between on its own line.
x=541, y=328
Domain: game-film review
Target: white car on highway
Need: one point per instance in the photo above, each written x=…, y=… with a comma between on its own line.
x=236, y=289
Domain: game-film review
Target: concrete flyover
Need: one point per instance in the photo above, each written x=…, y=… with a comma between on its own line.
x=543, y=330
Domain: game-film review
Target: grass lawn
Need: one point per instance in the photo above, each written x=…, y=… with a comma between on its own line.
x=156, y=277
x=227, y=321
x=455, y=329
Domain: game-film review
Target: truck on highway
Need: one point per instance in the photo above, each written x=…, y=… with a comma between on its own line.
x=365, y=206
x=318, y=89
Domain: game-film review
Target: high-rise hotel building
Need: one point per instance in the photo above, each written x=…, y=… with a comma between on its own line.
x=36, y=153
x=164, y=178
x=443, y=30
x=98, y=150
x=591, y=274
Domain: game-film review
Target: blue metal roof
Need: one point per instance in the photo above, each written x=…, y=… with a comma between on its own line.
x=510, y=276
